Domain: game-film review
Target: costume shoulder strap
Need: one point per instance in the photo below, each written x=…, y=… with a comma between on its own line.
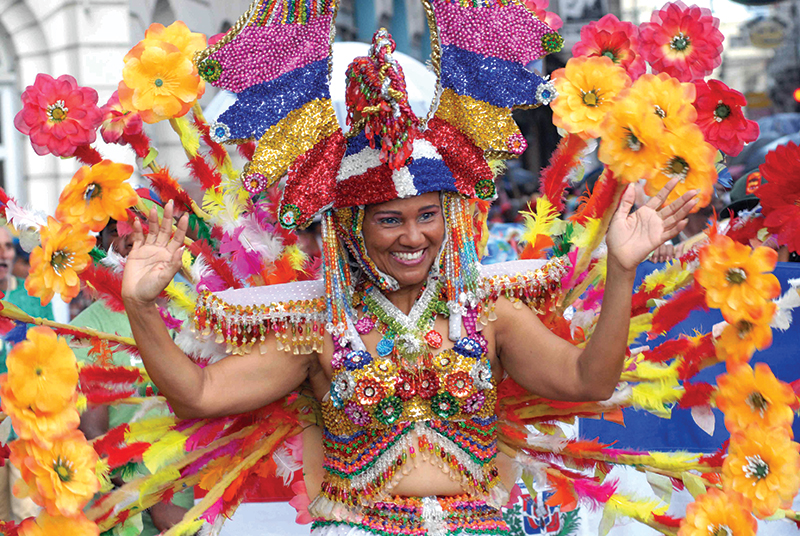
x=535, y=282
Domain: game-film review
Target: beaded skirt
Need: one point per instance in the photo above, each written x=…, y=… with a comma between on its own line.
x=419, y=516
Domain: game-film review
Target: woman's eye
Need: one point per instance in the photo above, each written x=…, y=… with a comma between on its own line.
x=389, y=221
x=427, y=216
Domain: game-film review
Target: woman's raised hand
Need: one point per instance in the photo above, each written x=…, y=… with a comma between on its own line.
x=633, y=236
x=155, y=259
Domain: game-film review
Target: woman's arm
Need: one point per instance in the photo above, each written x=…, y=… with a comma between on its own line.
x=547, y=365
x=233, y=385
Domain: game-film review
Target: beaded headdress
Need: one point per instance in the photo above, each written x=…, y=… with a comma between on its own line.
x=277, y=60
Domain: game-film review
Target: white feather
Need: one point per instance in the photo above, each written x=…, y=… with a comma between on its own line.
x=148, y=405
x=621, y=396
x=790, y=300
x=533, y=467
x=546, y=442
x=114, y=261
x=23, y=218
x=286, y=464
x=198, y=347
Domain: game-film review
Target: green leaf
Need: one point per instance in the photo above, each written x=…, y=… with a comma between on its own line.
x=694, y=484
x=151, y=156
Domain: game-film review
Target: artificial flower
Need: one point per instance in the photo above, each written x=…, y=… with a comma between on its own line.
x=763, y=464
x=685, y=155
x=55, y=264
x=119, y=123
x=684, y=42
x=42, y=371
x=61, y=478
x=538, y=8
x=300, y=502
x=38, y=426
x=737, y=278
x=587, y=88
x=179, y=35
x=614, y=39
x=780, y=194
x=750, y=396
x=739, y=341
x=720, y=117
x=97, y=193
x=58, y=115
x=47, y=525
x=716, y=513
x=159, y=81
x=670, y=100
x=630, y=139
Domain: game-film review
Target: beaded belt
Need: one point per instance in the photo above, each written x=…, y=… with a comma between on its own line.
x=420, y=516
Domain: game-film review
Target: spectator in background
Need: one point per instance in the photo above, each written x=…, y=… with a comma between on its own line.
x=22, y=264
x=98, y=420
x=13, y=508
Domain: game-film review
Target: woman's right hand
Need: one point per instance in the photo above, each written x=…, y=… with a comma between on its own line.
x=154, y=260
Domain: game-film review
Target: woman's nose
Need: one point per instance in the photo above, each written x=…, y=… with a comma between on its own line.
x=413, y=236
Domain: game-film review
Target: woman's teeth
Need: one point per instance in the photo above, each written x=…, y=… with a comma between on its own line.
x=408, y=256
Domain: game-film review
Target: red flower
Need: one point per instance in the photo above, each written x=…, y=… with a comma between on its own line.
x=537, y=7
x=118, y=122
x=780, y=195
x=405, y=387
x=684, y=42
x=720, y=117
x=58, y=115
x=614, y=39
x=427, y=384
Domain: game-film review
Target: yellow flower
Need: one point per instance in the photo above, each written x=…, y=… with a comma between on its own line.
x=38, y=426
x=55, y=264
x=630, y=139
x=179, y=35
x=685, y=155
x=740, y=340
x=61, y=478
x=42, y=371
x=718, y=514
x=737, y=279
x=587, y=88
x=668, y=98
x=763, y=464
x=159, y=81
x=47, y=525
x=748, y=396
x=96, y=194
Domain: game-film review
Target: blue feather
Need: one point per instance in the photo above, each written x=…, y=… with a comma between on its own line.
x=17, y=334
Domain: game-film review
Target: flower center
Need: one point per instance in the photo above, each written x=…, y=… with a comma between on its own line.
x=680, y=42
x=61, y=260
x=63, y=469
x=737, y=276
x=633, y=143
x=591, y=98
x=159, y=82
x=57, y=111
x=756, y=467
x=719, y=530
x=721, y=112
x=38, y=371
x=610, y=54
x=677, y=167
x=757, y=402
x=743, y=328
x=92, y=191
x=660, y=111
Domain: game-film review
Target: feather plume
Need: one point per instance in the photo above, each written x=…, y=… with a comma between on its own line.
x=113, y=261
x=218, y=152
x=190, y=137
x=696, y=394
x=107, y=284
x=543, y=220
x=247, y=150
x=701, y=350
x=677, y=309
x=225, y=208
x=203, y=349
x=149, y=430
x=655, y=397
x=23, y=218
x=169, y=448
x=87, y=155
x=182, y=296
x=667, y=350
x=555, y=176
x=201, y=247
x=286, y=464
x=4, y=199
x=596, y=494
x=168, y=189
x=600, y=200
x=207, y=176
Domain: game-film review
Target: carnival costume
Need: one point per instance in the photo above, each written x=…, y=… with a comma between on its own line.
x=251, y=283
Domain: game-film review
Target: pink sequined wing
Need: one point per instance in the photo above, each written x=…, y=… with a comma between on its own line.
x=276, y=59
x=485, y=48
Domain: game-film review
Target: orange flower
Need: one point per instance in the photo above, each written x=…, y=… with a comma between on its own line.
x=42, y=371
x=687, y=156
x=55, y=264
x=740, y=340
x=763, y=464
x=96, y=194
x=670, y=100
x=61, y=478
x=748, y=396
x=587, y=88
x=37, y=426
x=159, y=80
x=47, y=525
x=630, y=139
x=736, y=279
x=718, y=514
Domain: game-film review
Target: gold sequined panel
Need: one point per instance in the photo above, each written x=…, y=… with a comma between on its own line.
x=489, y=127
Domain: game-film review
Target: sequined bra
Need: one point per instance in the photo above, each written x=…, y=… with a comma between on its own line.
x=377, y=412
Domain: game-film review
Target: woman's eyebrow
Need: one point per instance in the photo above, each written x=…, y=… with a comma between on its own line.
x=388, y=213
x=429, y=207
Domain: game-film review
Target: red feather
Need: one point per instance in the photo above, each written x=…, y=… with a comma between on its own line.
x=677, y=309
x=87, y=155
x=4, y=199
x=123, y=375
x=218, y=152
x=107, y=284
x=716, y=459
x=203, y=173
x=693, y=359
x=554, y=177
x=168, y=189
x=600, y=200
x=67, y=332
x=667, y=521
x=247, y=150
x=667, y=350
x=696, y=394
x=639, y=302
x=744, y=233
x=140, y=144
x=201, y=247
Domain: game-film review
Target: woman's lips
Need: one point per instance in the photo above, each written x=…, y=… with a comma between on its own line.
x=409, y=258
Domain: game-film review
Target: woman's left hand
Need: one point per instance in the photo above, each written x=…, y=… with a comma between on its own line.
x=633, y=236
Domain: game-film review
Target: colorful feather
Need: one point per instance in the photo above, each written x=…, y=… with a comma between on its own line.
x=555, y=176
x=168, y=189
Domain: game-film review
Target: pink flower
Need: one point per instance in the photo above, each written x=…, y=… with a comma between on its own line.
x=300, y=502
x=614, y=39
x=118, y=122
x=684, y=42
x=538, y=7
x=58, y=115
x=720, y=117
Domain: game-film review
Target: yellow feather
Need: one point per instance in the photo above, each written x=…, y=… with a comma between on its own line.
x=655, y=397
x=164, y=451
x=673, y=461
x=190, y=137
x=585, y=234
x=187, y=527
x=103, y=473
x=673, y=277
x=646, y=370
x=82, y=403
x=213, y=201
x=149, y=430
x=542, y=221
x=641, y=510
x=639, y=324
x=157, y=483
x=295, y=256
x=497, y=166
x=187, y=260
x=182, y=296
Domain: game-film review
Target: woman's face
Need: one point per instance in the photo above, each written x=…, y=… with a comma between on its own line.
x=403, y=236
